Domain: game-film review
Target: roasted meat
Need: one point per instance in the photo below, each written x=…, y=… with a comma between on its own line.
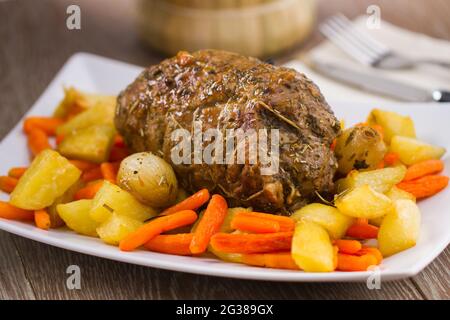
x=223, y=90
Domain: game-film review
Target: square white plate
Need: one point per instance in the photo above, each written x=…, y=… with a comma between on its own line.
x=101, y=75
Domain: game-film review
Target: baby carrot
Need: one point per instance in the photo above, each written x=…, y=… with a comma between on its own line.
x=191, y=203
x=109, y=171
x=209, y=224
x=278, y=260
x=89, y=191
x=119, y=142
x=391, y=158
x=155, y=227
x=425, y=186
x=362, y=231
x=177, y=244
x=286, y=223
x=370, y=250
x=92, y=174
x=84, y=165
x=8, y=211
x=252, y=243
x=423, y=168
x=59, y=139
x=42, y=219
x=254, y=224
x=48, y=125
x=38, y=141
x=8, y=184
x=347, y=262
x=348, y=246
x=17, y=172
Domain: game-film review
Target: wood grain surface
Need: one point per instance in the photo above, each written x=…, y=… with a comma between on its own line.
x=36, y=43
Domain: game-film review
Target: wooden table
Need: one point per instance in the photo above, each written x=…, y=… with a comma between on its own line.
x=35, y=44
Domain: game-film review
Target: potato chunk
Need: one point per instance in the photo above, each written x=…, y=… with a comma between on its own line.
x=412, y=151
x=76, y=216
x=392, y=123
x=91, y=144
x=328, y=217
x=364, y=202
x=116, y=227
x=48, y=177
x=112, y=199
x=380, y=180
x=55, y=219
x=400, y=228
x=312, y=250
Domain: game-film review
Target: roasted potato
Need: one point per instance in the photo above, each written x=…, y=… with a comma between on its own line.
x=328, y=217
x=149, y=178
x=380, y=180
x=112, y=199
x=393, y=124
x=116, y=227
x=400, y=228
x=49, y=176
x=91, y=144
x=76, y=216
x=360, y=148
x=228, y=257
x=312, y=249
x=412, y=151
x=55, y=219
x=363, y=202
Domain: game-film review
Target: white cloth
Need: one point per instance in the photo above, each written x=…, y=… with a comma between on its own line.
x=407, y=43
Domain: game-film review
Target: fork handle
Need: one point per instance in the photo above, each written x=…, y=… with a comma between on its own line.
x=441, y=96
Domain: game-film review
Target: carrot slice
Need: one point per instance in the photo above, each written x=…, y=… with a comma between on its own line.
x=347, y=262
x=89, y=191
x=109, y=171
x=17, y=172
x=371, y=250
x=59, y=139
x=286, y=223
x=191, y=203
x=8, y=211
x=84, y=165
x=155, y=227
x=38, y=141
x=279, y=260
x=209, y=224
x=254, y=224
x=252, y=243
x=119, y=141
x=92, y=174
x=391, y=158
x=424, y=187
x=177, y=244
x=362, y=231
x=48, y=125
x=423, y=168
x=42, y=219
x=348, y=246
x=8, y=184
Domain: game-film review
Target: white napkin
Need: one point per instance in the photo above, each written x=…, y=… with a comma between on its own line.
x=407, y=43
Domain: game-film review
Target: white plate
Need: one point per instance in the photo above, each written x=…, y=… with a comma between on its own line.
x=97, y=74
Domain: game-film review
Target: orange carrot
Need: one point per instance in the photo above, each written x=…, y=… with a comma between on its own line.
x=155, y=227
x=89, y=191
x=391, y=158
x=118, y=154
x=362, y=221
x=42, y=219
x=209, y=224
x=381, y=165
x=348, y=246
x=191, y=203
x=8, y=211
x=286, y=223
x=279, y=260
x=252, y=243
x=109, y=171
x=362, y=231
x=92, y=174
x=333, y=144
x=425, y=186
x=48, y=125
x=38, y=141
x=254, y=224
x=177, y=244
x=370, y=250
x=84, y=165
x=59, y=139
x=17, y=172
x=8, y=184
x=423, y=168
x=347, y=262
x=119, y=142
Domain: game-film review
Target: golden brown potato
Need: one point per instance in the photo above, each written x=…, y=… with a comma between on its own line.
x=360, y=148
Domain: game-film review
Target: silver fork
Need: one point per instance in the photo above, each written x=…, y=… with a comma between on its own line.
x=365, y=49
